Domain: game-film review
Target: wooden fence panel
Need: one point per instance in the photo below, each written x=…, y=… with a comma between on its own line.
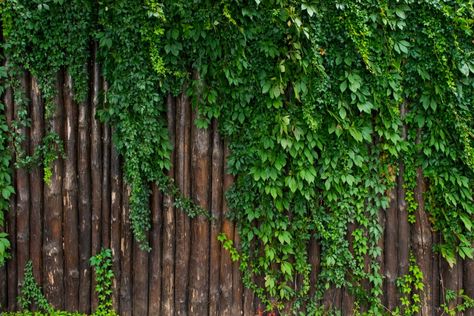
x=84, y=208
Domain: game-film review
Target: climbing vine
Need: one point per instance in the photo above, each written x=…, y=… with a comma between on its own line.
x=319, y=101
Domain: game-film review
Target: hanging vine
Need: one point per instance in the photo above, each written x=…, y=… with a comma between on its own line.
x=319, y=102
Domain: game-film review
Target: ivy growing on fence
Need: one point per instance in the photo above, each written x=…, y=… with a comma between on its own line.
x=320, y=102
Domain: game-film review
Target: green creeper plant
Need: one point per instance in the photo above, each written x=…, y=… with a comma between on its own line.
x=102, y=263
x=30, y=292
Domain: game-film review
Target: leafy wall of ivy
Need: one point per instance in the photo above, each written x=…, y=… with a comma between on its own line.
x=320, y=102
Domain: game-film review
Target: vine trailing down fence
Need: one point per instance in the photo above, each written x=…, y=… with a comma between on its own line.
x=303, y=157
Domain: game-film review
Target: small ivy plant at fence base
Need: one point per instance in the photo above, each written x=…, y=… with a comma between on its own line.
x=102, y=263
x=30, y=292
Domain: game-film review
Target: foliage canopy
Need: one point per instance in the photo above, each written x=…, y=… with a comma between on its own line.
x=320, y=101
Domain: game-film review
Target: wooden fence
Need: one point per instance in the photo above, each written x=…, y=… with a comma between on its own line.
x=85, y=207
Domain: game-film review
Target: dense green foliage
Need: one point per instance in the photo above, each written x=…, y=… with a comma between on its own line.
x=320, y=101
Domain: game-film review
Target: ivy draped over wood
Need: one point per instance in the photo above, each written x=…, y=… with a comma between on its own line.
x=320, y=102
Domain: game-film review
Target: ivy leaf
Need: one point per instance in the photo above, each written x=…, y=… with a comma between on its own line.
x=287, y=268
x=467, y=221
x=356, y=134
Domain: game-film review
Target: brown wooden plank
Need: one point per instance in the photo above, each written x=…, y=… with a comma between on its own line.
x=96, y=176
x=216, y=211
x=154, y=302
x=105, y=220
x=168, y=265
x=140, y=281
x=347, y=304
x=199, y=261
x=451, y=279
x=391, y=252
x=422, y=245
x=403, y=226
x=126, y=257
x=36, y=182
x=182, y=170
x=84, y=206
x=249, y=303
x=53, y=270
x=436, y=277
x=237, y=287
x=22, y=194
x=225, y=273
x=115, y=224
x=70, y=215
x=469, y=282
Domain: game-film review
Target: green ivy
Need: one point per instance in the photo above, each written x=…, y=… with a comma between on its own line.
x=30, y=292
x=6, y=188
x=102, y=263
x=411, y=286
x=319, y=101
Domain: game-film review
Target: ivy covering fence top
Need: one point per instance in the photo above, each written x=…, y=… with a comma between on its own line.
x=325, y=106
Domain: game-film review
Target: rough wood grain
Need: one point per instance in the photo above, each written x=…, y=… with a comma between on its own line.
x=216, y=211
x=225, y=272
x=168, y=265
x=22, y=190
x=154, y=302
x=84, y=173
x=183, y=180
x=70, y=215
x=96, y=175
x=126, y=256
x=53, y=270
x=36, y=182
x=199, y=261
x=115, y=224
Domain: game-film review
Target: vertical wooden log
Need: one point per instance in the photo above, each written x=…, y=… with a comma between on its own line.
x=96, y=175
x=451, y=279
x=225, y=273
x=216, y=210
x=403, y=226
x=332, y=298
x=53, y=251
x=168, y=273
x=140, y=281
x=422, y=245
x=126, y=256
x=436, y=277
x=390, y=252
x=199, y=261
x=154, y=302
x=22, y=196
x=182, y=156
x=71, y=241
x=249, y=303
x=84, y=173
x=36, y=182
x=105, y=220
x=314, y=258
x=11, y=219
x=237, y=287
x=469, y=282
x=115, y=224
